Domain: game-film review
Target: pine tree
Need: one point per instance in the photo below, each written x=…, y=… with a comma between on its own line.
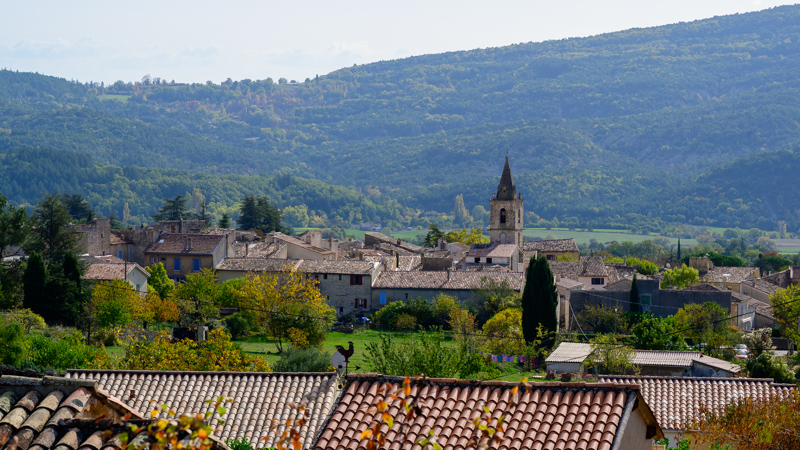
x=636, y=307
x=539, y=299
x=33, y=284
x=225, y=221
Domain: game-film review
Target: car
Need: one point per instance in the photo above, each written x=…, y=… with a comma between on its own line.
x=362, y=319
x=741, y=353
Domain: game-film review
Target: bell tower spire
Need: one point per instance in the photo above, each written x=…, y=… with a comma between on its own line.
x=505, y=219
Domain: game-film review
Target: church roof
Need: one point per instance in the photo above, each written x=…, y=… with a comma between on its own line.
x=506, y=190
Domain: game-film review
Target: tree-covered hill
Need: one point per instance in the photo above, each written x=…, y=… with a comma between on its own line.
x=597, y=129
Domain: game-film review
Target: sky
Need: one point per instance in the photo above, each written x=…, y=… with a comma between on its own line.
x=199, y=40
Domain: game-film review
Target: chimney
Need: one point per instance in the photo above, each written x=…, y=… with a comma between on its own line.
x=190, y=243
x=246, y=249
x=448, y=274
x=399, y=241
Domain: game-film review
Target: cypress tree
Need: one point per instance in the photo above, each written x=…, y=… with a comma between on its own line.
x=539, y=299
x=636, y=307
x=679, y=250
x=33, y=284
x=71, y=296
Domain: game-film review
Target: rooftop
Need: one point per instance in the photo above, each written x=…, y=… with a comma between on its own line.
x=729, y=274
x=551, y=245
x=259, y=399
x=112, y=271
x=258, y=264
x=492, y=250
x=676, y=401
x=186, y=244
x=542, y=415
x=443, y=280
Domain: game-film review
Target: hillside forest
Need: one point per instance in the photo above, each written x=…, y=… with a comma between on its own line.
x=645, y=129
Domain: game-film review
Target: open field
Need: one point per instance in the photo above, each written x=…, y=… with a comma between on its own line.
x=788, y=245
x=117, y=97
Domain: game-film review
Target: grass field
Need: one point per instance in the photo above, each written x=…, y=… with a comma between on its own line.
x=119, y=98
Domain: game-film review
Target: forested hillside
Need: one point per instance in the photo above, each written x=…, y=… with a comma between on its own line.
x=680, y=123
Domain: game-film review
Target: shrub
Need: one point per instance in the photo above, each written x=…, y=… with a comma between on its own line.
x=218, y=353
x=27, y=318
x=12, y=343
x=406, y=322
x=237, y=325
x=68, y=352
x=767, y=365
x=422, y=354
x=386, y=317
x=308, y=359
x=105, y=336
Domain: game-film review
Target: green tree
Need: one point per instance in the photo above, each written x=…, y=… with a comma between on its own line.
x=34, y=281
x=460, y=213
x=786, y=309
x=433, y=235
x=196, y=297
x=52, y=236
x=473, y=236
x=636, y=306
x=260, y=214
x=78, y=208
x=680, y=277
x=707, y=324
x=225, y=221
x=612, y=357
x=491, y=297
x=539, y=299
x=12, y=343
x=653, y=333
x=503, y=333
x=159, y=280
x=172, y=209
x=70, y=297
x=14, y=227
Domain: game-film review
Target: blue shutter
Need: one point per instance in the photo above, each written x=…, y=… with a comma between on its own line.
x=177, y=265
x=383, y=298
x=196, y=264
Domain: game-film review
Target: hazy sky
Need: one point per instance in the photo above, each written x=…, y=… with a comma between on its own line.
x=196, y=41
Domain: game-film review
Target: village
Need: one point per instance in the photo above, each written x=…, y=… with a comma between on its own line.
x=588, y=393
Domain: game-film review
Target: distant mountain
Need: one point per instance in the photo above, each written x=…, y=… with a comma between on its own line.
x=600, y=131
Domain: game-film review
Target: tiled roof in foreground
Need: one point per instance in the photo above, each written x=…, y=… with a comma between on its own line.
x=64, y=414
x=547, y=415
x=676, y=401
x=258, y=398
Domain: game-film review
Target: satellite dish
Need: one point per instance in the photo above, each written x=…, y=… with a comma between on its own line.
x=338, y=361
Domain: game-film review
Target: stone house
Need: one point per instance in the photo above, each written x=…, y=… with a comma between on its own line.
x=550, y=248
x=183, y=254
x=403, y=286
x=504, y=255
x=297, y=248
x=106, y=268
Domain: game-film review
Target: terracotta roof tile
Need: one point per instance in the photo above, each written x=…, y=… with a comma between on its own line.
x=676, y=401
x=111, y=271
x=258, y=398
x=551, y=245
x=258, y=249
x=259, y=264
x=53, y=412
x=275, y=235
x=493, y=250
x=185, y=244
x=729, y=274
x=536, y=418
x=444, y=280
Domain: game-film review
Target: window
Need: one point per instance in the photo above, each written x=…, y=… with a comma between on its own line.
x=316, y=276
x=341, y=310
x=340, y=278
x=551, y=257
x=153, y=260
x=120, y=254
x=488, y=260
x=597, y=280
x=356, y=304
x=364, y=303
x=196, y=264
x=356, y=280
x=383, y=298
x=406, y=295
x=324, y=276
x=503, y=215
x=645, y=300
x=138, y=287
x=176, y=265
x=477, y=259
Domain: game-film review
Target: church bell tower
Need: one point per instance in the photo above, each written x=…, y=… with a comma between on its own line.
x=505, y=218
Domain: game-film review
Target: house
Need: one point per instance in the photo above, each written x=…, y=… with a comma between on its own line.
x=262, y=402
x=381, y=241
x=62, y=413
x=678, y=401
x=346, y=284
x=591, y=271
x=297, y=248
x=551, y=248
x=759, y=288
x=102, y=268
x=729, y=278
x=541, y=415
x=183, y=254
x=784, y=278
x=572, y=357
x=402, y=286
x=661, y=302
x=504, y=255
